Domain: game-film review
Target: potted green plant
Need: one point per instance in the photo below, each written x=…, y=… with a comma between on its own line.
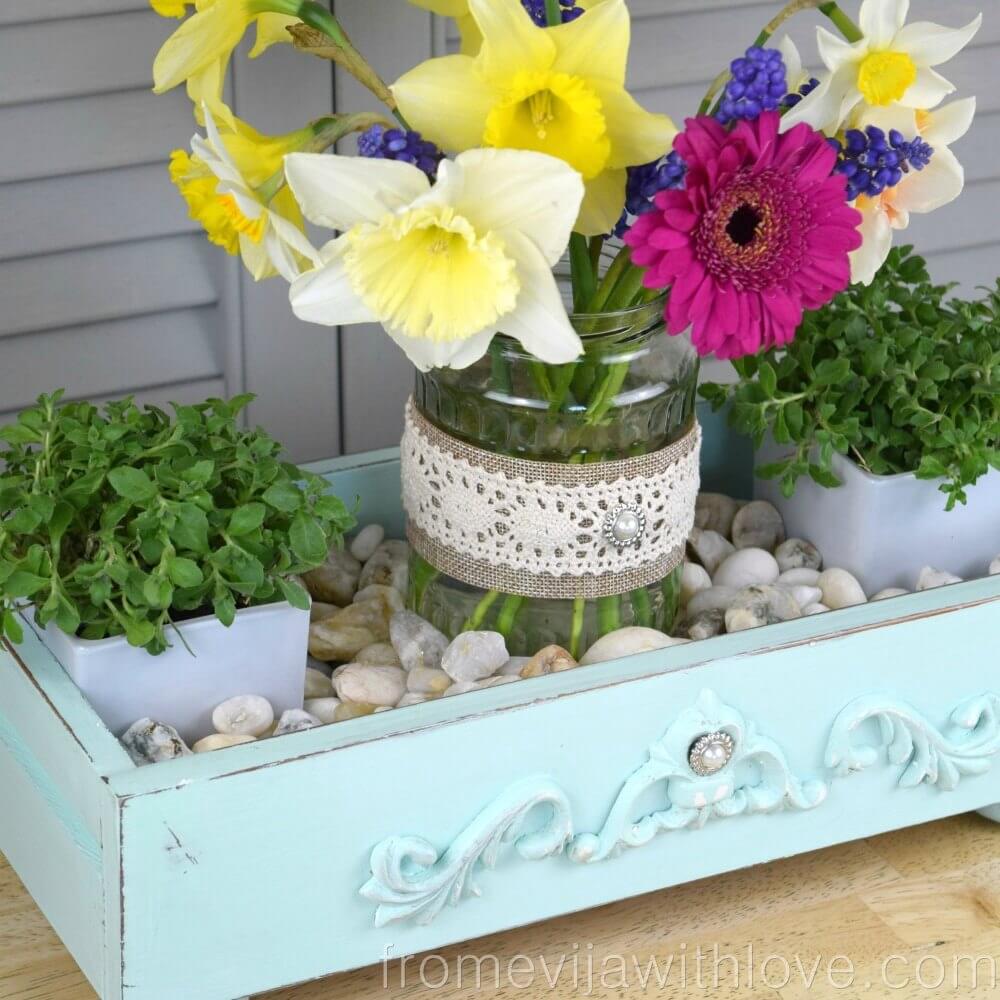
x=159, y=555
x=878, y=427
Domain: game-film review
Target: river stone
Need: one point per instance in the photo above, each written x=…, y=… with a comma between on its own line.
x=514, y=666
x=427, y=680
x=319, y=610
x=931, y=578
x=715, y=512
x=345, y=634
x=747, y=567
x=417, y=642
x=498, y=681
x=389, y=596
x=705, y=625
x=761, y=605
x=371, y=685
x=693, y=579
x=814, y=609
x=412, y=698
x=800, y=577
x=317, y=684
x=379, y=654
x=336, y=581
x=840, y=589
x=295, y=720
x=324, y=709
x=352, y=710
x=796, y=553
x=628, y=642
x=713, y=599
x=387, y=566
x=149, y=742
x=461, y=687
x=758, y=525
x=366, y=541
x=889, y=593
x=803, y=595
x=244, y=715
x=219, y=741
x=709, y=548
x=550, y=660
x=474, y=656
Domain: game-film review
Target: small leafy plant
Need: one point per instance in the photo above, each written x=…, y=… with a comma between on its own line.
x=893, y=374
x=127, y=521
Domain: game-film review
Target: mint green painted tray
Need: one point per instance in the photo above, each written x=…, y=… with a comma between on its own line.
x=264, y=865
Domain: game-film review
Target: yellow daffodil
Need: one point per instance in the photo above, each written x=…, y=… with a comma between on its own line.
x=892, y=64
x=468, y=30
x=442, y=268
x=198, y=52
x=559, y=91
x=218, y=183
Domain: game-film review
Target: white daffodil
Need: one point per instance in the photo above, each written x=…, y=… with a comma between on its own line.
x=442, y=268
x=891, y=65
x=796, y=75
x=268, y=241
x=920, y=191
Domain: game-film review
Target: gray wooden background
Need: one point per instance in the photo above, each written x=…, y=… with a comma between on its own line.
x=107, y=288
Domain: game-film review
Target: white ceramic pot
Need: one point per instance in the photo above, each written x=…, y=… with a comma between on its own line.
x=885, y=529
x=263, y=652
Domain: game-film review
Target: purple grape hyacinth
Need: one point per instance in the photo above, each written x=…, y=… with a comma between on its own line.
x=645, y=182
x=873, y=161
x=536, y=8
x=804, y=91
x=759, y=83
x=381, y=143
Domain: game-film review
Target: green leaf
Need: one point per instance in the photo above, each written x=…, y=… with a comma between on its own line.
x=247, y=519
x=158, y=592
x=23, y=584
x=308, y=540
x=19, y=434
x=225, y=608
x=284, y=496
x=185, y=573
x=294, y=593
x=768, y=379
x=190, y=530
x=132, y=484
x=61, y=519
x=12, y=628
x=139, y=633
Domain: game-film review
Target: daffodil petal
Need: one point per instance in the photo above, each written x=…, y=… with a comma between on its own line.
x=325, y=295
x=602, y=205
x=950, y=123
x=272, y=29
x=595, y=45
x=446, y=8
x=470, y=100
x=835, y=52
x=930, y=44
x=427, y=354
x=637, y=136
x=938, y=184
x=530, y=193
x=510, y=38
x=256, y=259
x=539, y=320
x=795, y=74
x=823, y=109
x=470, y=35
x=881, y=20
x=293, y=237
x=340, y=191
x=877, y=235
x=199, y=40
x=928, y=90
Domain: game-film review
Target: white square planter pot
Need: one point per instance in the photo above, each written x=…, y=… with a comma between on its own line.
x=263, y=652
x=885, y=529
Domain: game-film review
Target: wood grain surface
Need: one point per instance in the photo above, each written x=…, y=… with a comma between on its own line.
x=886, y=917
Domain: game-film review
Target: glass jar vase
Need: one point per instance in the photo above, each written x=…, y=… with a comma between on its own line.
x=632, y=393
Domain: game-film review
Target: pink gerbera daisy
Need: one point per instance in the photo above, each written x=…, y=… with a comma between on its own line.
x=761, y=231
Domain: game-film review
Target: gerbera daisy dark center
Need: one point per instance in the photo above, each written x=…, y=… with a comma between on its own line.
x=743, y=225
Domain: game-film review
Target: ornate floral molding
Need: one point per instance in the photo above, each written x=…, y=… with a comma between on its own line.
x=967, y=746
x=410, y=880
x=756, y=778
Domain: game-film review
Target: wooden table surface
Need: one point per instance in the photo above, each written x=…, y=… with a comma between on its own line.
x=887, y=917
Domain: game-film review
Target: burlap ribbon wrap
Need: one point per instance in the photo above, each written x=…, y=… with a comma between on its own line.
x=547, y=529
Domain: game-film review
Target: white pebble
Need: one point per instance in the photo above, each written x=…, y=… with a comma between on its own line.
x=693, y=579
x=804, y=596
x=371, y=685
x=814, y=609
x=840, y=589
x=317, y=684
x=930, y=578
x=323, y=709
x=713, y=599
x=411, y=698
x=219, y=741
x=474, y=656
x=709, y=548
x=800, y=577
x=758, y=525
x=427, y=680
x=746, y=567
x=513, y=667
x=295, y=721
x=798, y=554
x=244, y=715
x=715, y=512
x=367, y=540
x=890, y=592
x=391, y=598
x=383, y=708
x=627, y=642
x=461, y=687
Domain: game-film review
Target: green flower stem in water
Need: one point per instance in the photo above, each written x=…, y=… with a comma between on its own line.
x=642, y=608
x=609, y=616
x=476, y=619
x=583, y=273
x=508, y=615
x=576, y=627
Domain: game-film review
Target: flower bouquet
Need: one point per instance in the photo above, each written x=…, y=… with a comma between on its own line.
x=538, y=243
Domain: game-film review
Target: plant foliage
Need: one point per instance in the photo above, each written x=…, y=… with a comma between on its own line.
x=123, y=522
x=894, y=375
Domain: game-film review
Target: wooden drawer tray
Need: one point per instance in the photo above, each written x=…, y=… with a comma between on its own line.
x=265, y=865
